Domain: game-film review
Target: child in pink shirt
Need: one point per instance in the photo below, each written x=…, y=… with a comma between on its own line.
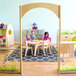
x=46, y=36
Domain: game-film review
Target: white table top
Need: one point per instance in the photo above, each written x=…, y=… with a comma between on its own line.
x=68, y=42
x=33, y=42
x=38, y=43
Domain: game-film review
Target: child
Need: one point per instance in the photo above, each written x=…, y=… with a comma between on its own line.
x=46, y=36
x=28, y=37
x=33, y=37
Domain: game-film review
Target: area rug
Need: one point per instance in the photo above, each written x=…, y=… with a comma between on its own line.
x=15, y=56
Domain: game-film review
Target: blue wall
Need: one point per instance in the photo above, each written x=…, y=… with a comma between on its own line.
x=9, y=14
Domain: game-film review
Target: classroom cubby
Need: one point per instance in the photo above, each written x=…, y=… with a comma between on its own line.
x=6, y=36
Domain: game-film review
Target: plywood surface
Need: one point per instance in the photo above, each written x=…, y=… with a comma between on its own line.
x=39, y=69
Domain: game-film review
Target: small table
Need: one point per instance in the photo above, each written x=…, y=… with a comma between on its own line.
x=36, y=44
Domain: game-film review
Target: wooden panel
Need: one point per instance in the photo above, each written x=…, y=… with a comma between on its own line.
x=67, y=37
x=52, y=7
x=65, y=49
x=59, y=15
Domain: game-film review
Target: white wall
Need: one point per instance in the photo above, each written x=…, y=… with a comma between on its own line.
x=68, y=14
x=9, y=14
x=44, y=18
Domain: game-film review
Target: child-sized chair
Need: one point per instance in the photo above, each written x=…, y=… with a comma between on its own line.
x=26, y=46
x=45, y=45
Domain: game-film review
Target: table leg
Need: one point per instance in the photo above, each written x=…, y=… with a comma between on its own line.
x=35, y=50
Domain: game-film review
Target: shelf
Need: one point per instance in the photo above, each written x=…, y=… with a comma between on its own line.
x=3, y=42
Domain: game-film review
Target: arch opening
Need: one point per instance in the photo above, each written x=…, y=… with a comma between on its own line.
x=55, y=8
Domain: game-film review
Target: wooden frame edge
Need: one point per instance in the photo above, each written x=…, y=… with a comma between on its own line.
x=67, y=72
x=59, y=15
x=10, y=72
x=20, y=41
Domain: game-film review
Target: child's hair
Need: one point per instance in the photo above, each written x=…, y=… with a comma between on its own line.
x=46, y=33
x=32, y=31
x=27, y=35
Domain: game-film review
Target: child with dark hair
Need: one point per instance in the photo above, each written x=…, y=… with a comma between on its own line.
x=46, y=36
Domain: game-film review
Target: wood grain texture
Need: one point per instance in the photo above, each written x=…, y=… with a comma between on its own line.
x=39, y=69
x=28, y=7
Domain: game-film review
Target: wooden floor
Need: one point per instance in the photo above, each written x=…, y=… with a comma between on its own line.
x=36, y=68
x=4, y=55
x=39, y=69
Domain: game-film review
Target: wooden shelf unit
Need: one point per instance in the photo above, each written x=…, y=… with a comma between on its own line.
x=3, y=41
x=8, y=38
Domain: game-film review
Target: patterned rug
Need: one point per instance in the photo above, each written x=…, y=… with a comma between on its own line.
x=15, y=56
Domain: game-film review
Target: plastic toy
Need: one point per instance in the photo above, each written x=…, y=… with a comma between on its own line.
x=34, y=26
x=1, y=36
x=1, y=31
x=37, y=40
x=1, y=25
x=75, y=52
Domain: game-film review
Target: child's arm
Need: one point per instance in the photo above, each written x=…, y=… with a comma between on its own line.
x=35, y=37
x=48, y=38
x=44, y=38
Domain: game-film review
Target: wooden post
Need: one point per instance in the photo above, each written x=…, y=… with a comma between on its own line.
x=59, y=14
x=20, y=41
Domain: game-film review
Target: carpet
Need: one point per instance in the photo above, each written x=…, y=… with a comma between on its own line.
x=15, y=56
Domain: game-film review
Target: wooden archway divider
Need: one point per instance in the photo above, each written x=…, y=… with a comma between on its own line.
x=53, y=7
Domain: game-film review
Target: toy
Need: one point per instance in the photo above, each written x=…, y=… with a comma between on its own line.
x=75, y=52
x=37, y=40
x=1, y=25
x=1, y=36
x=34, y=26
x=1, y=33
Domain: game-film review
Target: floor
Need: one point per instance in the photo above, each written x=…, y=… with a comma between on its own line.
x=39, y=69
x=4, y=55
